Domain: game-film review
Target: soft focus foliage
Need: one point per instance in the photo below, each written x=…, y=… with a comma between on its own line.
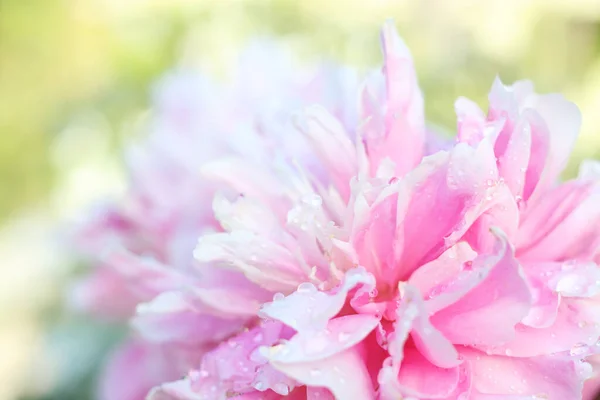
x=74, y=78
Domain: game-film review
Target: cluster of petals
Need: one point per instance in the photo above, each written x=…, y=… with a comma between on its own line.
x=347, y=252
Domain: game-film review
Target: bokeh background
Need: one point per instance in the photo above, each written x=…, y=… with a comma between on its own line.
x=75, y=78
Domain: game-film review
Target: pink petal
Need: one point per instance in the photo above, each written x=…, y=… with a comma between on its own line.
x=440, y=192
x=544, y=309
x=308, y=309
x=554, y=124
x=133, y=369
x=569, y=279
x=430, y=341
x=262, y=261
x=229, y=292
x=447, y=192
x=431, y=277
x=512, y=164
x=489, y=301
x=244, y=213
x=562, y=226
x=332, y=144
x=146, y=276
x=178, y=390
x=341, y=333
x=470, y=121
x=564, y=121
x=549, y=378
x=256, y=395
x=175, y=317
x=344, y=374
x=402, y=109
x=421, y=379
x=237, y=366
x=412, y=319
x=103, y=293
x=576, y=327
x=313, y=393
x=591, y=387
x=246, y=178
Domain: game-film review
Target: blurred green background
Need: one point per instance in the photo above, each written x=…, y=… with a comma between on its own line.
x=75, y=77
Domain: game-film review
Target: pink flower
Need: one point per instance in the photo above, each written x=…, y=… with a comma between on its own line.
x=395, y=270
x=421, y=277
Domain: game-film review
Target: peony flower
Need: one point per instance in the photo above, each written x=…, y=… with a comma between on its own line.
x=371, y=260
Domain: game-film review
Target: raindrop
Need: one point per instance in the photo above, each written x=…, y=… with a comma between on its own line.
x=578, y=349
x=281, y=388
x=343, y=336
x=306, y=287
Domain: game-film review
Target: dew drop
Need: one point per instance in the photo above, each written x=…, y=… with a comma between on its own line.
x=258, y=338
x=306, y=287
x=281, y=388
x=343, y=336
x=578, y=349
x=278, y=297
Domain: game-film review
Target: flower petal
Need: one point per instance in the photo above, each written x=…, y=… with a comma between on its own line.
x=344, y=374
x=133, y=369
x=175, y=317
x=562, y=226
x=489, y=301
x=423, y=380
x=576, y=327
x=262, y=260
x=341, y=333
x=401, y=113
x=177, y=390
x=412, y=320
x=332, y=144
x=548, y=377
x=309, y=309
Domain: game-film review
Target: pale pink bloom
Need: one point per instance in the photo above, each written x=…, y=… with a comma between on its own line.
x=466, y=274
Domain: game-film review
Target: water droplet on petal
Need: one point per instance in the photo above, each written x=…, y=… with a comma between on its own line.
x=278, y=297
x=306, y=287
x=281, y=388
x=578, y=349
